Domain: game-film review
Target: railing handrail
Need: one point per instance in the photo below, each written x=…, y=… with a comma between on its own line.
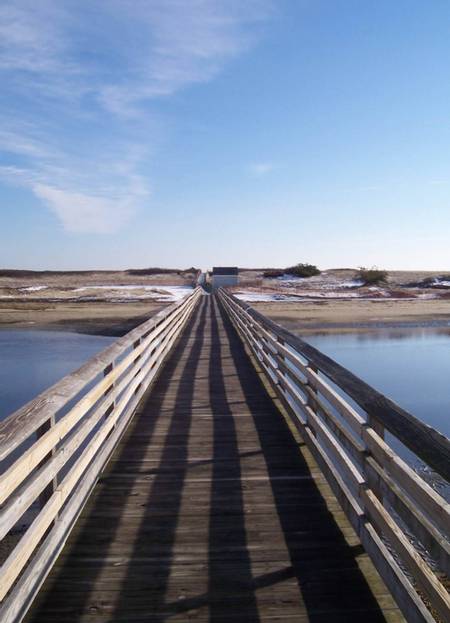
x=23, y=422
x=62, y=461
x=402, y=522
x=426, y=442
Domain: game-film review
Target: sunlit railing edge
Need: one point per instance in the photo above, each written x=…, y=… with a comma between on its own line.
x=100, y=418
x=430, y=445
x=396, y=514
x=17, y=426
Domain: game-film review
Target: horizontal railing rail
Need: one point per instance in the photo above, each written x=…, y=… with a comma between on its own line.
x=53, y=450
x=402, y=522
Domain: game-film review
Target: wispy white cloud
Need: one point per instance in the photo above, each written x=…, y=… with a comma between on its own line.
x=186, y=44
x=86, y=198
x=23, y=143
x=29, y=37
x=84, y=75
x=82, y=213
x=260, y=169
x=125, y=52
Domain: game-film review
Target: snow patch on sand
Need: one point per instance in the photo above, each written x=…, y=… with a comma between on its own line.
x=132, y=287
x=269, y=297
x=354, y=283
x=290, y=279
x=318, y=282
x=441, y=283
x=264, y=297
x=33, y=288
x=159, y=292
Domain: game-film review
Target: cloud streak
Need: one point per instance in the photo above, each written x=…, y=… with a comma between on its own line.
x=30, y=37
x=260, y=169
x=87, y=195
x=79, y=82
x=81, y=213
x=187, y=44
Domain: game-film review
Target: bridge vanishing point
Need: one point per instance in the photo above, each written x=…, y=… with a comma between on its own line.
x=211, y=466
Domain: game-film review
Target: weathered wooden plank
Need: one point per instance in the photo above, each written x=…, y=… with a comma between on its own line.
x=18, y=503
x=401, y=588
x=23, y=550
x=430, y=445
x=430, y=501
x=92, y=457
x=419, y=525
x=421, y=572
x=209, y=511
x=17, y=427
x=333, y=449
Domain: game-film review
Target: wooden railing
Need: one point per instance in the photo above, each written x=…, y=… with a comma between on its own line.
x=52, y=451
x=402, y=522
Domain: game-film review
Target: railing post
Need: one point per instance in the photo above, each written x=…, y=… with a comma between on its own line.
x=136, y=344
x=310, y=399
x=281, y=357
x=377, y=426
x=374, y=481
x=109, y=368
x=50, y=488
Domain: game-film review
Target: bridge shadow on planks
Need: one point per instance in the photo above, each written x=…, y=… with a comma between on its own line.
x=207, y=510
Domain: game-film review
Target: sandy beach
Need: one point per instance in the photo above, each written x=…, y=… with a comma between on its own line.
x=98, y=318
x=95, y=302
x=116, y=318
x=336, y=300
x=112, y=303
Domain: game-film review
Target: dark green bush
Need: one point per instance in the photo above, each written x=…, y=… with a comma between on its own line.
x=161, y=271
x=303, y=270
x=372, y=276
x=272, y=273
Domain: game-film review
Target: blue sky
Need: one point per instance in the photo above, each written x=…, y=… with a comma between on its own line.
x=201, y=132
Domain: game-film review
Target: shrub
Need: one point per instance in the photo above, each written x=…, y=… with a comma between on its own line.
x=161, y=271
x=272, y=273
x=372, y=276
x=303, y=270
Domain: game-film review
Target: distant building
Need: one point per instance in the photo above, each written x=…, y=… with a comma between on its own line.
x=223, y=276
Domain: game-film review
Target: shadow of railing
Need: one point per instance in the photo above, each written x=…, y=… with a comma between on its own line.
x=230, y=584
x=324, y=564
x=102, y=538
x=121, y=556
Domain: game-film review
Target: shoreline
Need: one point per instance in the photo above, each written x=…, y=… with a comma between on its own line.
x=323, y=329
x=82, y=328
x=114, y=319
x=91, y=318
x=120, y=328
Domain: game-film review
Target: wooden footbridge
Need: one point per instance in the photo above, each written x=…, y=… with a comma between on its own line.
x=211, y=466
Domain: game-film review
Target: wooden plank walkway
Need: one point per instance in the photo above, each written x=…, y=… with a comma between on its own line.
x=212, y=510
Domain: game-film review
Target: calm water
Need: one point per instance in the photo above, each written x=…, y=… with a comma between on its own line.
x=411, y=366
x=31, y=361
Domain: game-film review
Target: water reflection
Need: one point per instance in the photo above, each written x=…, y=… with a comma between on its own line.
x=31, y=361
x=394, y=333
x=410, y=366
